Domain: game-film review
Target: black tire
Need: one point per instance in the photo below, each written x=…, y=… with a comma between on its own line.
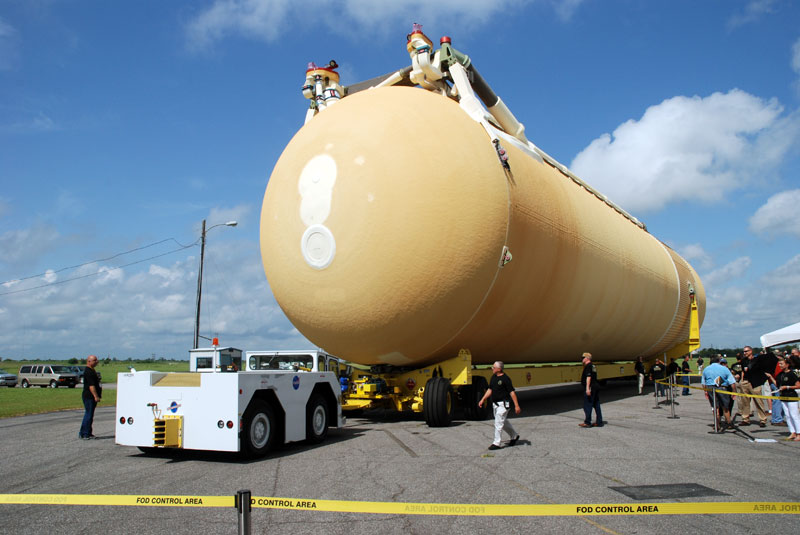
x=25, y=384
x=53, y=383
x=259, y=430
x=472, y=396
x=72, y=386
x=437, y=402
x=316, y=419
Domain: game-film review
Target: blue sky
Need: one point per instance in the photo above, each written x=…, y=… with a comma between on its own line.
x=124, y=124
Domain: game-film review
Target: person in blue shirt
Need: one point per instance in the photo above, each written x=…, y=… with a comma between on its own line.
x=719, y=376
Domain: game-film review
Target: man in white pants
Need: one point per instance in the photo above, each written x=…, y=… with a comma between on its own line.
x=502, y=393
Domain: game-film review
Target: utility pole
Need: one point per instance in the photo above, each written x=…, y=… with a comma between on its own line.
x=200, y=277
x=199, y=286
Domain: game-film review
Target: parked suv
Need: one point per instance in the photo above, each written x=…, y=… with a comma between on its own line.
x=80, y=370
x=43, y=375
x=7, y=379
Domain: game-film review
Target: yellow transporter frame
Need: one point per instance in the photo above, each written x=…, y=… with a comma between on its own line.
x=405, y=391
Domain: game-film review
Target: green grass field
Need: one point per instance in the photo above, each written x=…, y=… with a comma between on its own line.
x=21, y=401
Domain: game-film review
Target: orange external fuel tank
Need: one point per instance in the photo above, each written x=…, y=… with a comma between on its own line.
x=392, y=234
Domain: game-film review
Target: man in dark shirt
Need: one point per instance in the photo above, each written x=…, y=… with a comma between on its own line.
x=657, y=372
x=755, y=371
x=591, y=393
x=736, y=370
x=686, y=369
x=672, y=369
x=92, y=392
x=502, y=393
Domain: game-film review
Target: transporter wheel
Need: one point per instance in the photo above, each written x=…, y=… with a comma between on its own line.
x=53, y=383
x=437, y=402
x=316, y=419
x=474, y=394
x=259, y=428
x=25, y=384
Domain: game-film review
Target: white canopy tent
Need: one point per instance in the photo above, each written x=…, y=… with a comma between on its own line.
x=787, y=335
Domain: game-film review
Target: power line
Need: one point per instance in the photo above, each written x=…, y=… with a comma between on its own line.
x=101, y=260
x=99, y=272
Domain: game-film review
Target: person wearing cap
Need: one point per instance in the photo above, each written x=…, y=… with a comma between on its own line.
x=717, y=377
x=92, y=392
x=591, y=393
x=502, y=393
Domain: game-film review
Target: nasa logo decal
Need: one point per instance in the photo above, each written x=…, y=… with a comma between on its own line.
x=173, y=406
x=296, y=382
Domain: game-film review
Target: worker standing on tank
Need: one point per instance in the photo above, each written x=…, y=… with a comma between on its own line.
x=591, y=393
x=502, y=393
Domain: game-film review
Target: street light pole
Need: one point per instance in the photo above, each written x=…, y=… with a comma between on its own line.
x=200, y=277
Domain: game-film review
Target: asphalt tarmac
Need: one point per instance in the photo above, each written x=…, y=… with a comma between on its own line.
x=388, y=457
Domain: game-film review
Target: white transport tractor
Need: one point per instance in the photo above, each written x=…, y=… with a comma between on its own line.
x=277, y=398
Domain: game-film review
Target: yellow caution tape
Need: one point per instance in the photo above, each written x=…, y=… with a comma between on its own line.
x=392, y=508
x=465, y=509
x=152, y=500
x=725, y=392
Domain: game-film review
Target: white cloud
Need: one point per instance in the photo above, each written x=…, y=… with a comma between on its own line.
x=24, y=247
x=778, y=215
x=565, y=9
x=689, y=149
x=50, y=276
x=169, y=275
x=752, y=12
x=124, y=314
x=786, y=280
x=739, y=314
x=267, y=20
x=796, y=56
x=728, y=272
x=239, y=213
x=9, y=46
x=108, y=275
x=696, y=255
x=259, y=19
x=33, y=125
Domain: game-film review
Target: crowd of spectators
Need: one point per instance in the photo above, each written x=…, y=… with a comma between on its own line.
x=765, y=384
